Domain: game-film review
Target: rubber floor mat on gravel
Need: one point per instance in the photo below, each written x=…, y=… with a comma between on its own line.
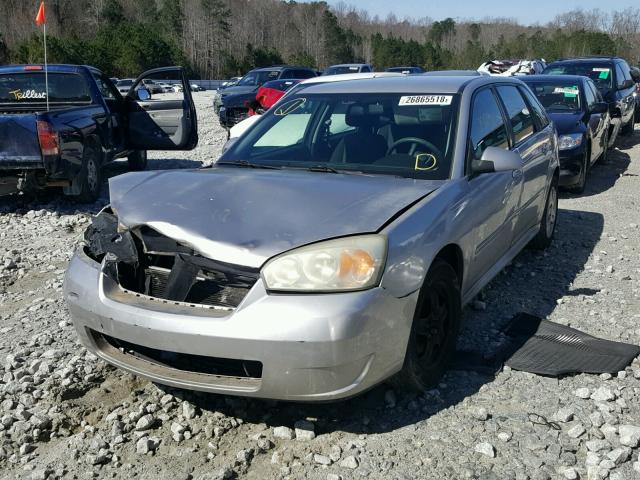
x=548, y=348
x=545, y=348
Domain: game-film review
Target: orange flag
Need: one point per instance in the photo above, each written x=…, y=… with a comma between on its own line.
x=40, y=19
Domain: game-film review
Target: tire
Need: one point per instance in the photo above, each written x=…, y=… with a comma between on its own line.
x=137, y=160
x=90, y=177
x=584, y=172
x=549, y=219
x=434, y=331
x=627, y=130
x=605, y=152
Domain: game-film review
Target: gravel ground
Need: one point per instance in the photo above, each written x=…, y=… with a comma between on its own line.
x=66, y=414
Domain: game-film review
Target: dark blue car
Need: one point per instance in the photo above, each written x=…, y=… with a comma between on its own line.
x=581, y=117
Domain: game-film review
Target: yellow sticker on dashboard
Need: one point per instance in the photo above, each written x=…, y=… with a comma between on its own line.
x=425, y=161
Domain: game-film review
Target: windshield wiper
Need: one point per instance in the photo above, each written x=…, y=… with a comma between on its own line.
x=246, y=164
x=323, y=169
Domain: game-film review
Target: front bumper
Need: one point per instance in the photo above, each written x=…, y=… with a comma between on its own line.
x=311, y=347
x=230, y=116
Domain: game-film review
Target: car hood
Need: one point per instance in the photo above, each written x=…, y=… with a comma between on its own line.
x=244, y=216
x=237, y=99
x=568, y=122
x=238, y=89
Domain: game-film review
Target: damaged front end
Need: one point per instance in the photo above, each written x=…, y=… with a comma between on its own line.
x=142, y=261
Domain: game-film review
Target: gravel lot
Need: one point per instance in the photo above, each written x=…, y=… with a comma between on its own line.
x=65, y=414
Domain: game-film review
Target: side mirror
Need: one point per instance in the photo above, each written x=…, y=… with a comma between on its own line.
x=627, y=84
x=599, y=107
x=496, y=159
x=143, y=94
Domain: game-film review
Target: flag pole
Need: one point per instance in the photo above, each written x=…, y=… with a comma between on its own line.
x=46, y=70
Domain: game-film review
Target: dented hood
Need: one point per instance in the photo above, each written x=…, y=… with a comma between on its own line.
x=245, y=216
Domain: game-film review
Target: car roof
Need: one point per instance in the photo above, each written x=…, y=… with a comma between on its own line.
x=349, y=65
x=546, y=78
x=456, y=73
x=407, y=84
x=350, y=76
x=585, y=60
x=280, y=68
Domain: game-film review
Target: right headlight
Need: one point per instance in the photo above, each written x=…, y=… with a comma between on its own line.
x=342, y=264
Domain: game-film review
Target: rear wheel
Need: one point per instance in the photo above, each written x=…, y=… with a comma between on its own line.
x=548, y=223
x=89, y=180
x=434, y=331
x=137, y=160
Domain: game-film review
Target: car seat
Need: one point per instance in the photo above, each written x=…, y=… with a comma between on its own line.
x=363, y=145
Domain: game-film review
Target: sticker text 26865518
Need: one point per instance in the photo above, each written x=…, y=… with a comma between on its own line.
x=425, y=100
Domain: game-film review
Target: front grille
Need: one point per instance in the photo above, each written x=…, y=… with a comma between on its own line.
x=236, y=115
x=203, y=291
x=227, y=367
x=170, y=271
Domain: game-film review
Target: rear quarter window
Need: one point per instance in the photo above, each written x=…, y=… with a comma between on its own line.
x=30, y=87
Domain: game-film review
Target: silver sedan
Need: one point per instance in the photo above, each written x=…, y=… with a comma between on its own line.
x=330, y=248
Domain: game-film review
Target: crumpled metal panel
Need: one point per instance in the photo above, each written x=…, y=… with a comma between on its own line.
x=245, y=216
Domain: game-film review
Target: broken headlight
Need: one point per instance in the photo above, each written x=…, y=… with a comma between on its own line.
x=343, y=264
x=106, y=235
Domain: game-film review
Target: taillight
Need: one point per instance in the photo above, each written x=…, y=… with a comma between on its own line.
x=30, y=68
x=48, y=138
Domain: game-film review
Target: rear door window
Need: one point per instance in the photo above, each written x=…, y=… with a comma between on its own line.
x=30, y=87
x=487, y=124
x=517, y=112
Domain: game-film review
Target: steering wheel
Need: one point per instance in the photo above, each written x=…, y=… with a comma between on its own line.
x=415, y=142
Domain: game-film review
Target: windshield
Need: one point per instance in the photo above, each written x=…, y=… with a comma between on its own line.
x=557, y=97
x=598, y=72
x=374, y=133
x=124, y=83
x=342, y=70
x=30, y=87
x=258, y=78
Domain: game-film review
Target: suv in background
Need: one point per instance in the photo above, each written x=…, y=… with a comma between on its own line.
x=348, y=68
x=252, y=81
x=612, y=76
x=405, y=70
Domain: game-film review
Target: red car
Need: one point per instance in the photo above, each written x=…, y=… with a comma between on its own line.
x=268, y=94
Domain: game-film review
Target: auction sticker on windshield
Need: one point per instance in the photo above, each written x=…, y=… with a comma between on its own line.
x=425, y=100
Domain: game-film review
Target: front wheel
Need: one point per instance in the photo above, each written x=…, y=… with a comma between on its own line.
x=584, y=171
x=137, y=160
x=548, y=223
x=434, y=331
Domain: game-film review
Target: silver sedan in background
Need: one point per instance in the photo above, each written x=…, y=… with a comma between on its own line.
x=330, y=248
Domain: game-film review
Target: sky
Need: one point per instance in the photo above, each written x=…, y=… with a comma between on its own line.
x=527, y=12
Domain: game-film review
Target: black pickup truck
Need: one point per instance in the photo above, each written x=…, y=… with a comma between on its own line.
x=85, y=124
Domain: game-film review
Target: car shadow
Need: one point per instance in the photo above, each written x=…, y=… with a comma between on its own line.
x=604, y=174
x=533, y=283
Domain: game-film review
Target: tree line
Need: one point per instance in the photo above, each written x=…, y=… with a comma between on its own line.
x=222, y=38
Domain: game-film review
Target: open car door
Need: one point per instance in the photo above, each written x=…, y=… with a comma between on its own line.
x=158, y=119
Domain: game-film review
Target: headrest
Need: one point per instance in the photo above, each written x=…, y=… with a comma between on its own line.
x=359, y=115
